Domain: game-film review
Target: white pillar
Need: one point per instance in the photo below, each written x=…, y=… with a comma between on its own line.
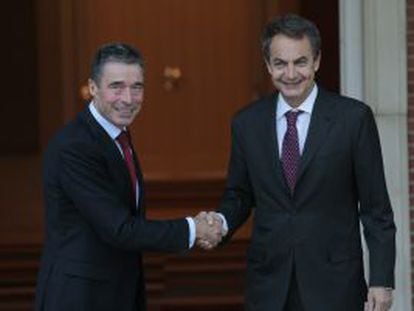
x=350, y=46
x=373, y=68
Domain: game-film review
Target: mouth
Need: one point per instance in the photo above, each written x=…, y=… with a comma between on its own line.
x=291, y=83
x=126, y=111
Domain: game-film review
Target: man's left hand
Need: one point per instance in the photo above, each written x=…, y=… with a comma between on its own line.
x=379, y=299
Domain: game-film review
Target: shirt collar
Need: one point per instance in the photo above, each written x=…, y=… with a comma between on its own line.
x=109, y=127
x=306, y=106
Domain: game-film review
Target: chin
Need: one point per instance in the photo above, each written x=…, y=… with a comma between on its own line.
x=291, y=93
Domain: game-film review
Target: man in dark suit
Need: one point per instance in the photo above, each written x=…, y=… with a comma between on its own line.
x=95, y=212
x=309, y=163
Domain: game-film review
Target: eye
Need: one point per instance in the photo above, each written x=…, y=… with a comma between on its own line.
x=137, y=89
x=115, y=86
x=279, y=64
x=138, y=86
x=301, y=62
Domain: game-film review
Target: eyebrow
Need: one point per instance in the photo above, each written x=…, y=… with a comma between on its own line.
x=295, y=61
x=116, y=83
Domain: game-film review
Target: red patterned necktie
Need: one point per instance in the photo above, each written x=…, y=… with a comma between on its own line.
x=123, y=140
x=290, y=149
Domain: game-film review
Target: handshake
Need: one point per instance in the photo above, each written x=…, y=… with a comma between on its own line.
x=210, y=229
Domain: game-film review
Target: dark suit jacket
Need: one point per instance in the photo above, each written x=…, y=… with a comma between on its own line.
x=317, y=229
x=94, y=233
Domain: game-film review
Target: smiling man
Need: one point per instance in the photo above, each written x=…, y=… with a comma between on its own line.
x=308, y=162
x=96, y=228
x=121, y=81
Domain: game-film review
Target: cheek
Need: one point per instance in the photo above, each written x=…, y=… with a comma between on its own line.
x=139, y=97
x=309, y=73
x=108, y=98
x=275, y=74
x=111, y=98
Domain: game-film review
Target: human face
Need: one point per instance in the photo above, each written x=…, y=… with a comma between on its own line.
x=292, y=67
x=119, y=94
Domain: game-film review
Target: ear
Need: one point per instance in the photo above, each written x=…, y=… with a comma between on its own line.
x=317, y=62
x=93, y=88
x=268, y=66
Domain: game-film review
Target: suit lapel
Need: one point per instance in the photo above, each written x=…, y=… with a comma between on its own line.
x=319, y=127
x=140, y=178
x=141, y=201
x=116, y=162
x=271, y=149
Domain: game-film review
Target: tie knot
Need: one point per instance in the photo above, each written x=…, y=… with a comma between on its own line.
x=292, y=116
x=123, y=138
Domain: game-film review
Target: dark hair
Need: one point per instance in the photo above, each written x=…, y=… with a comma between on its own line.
x=292, y=26
x=114, y=52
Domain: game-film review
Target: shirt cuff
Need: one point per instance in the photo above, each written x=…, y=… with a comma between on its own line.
x=224, y=225
x=192, y=231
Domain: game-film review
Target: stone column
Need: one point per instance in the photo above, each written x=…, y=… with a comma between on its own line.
x=374, y=69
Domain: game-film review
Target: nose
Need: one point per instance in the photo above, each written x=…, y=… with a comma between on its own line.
x=126, y=95
x=290, y=71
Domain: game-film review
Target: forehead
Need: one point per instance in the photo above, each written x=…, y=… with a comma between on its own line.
x=287, y=48
x=115, y=71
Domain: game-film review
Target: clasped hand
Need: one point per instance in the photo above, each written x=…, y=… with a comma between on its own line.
x=209, y=229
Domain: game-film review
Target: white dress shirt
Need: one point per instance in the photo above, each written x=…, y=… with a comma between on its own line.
x=302, y=123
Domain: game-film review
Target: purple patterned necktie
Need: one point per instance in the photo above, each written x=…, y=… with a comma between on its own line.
x=290, y=149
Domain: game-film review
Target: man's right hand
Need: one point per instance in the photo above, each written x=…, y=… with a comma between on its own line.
x=209, y=230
